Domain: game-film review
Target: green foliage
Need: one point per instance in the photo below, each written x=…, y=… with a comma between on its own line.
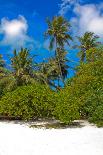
x=58, y=31
x=22, y=64
x=7, y=84
x=66, y=109
x=2, y=62
x=5, y=77
x=97, y=115
x=2, y=65
x=28, y=102
x=58, y=34
x=21, y=96
x=38, y=101
x=47, y=72
x=87, y=41
x=87, y=87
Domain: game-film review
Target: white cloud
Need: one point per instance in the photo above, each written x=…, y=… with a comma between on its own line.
x=15, y=27
x=15, y=32
x=66, y=5
x=89, y=18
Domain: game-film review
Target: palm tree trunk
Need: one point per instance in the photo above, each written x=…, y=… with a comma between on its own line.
x=56, y=55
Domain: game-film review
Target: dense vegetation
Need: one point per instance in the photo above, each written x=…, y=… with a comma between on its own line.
x=31, y=90
x=87, y=87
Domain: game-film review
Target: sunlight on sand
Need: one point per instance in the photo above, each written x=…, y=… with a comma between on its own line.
x=16, y=139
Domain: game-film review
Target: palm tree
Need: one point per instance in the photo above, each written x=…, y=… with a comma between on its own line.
x=7, y=81
x=22, y=65
x=47, y=72
x=62, y=62
x=58, y=33
x=87, y=41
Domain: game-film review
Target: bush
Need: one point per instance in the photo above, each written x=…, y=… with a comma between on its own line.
x=87, y=88
x=7, y=83
x=66, y=109
x=28, y=102
x=38, y=101
x=97, y=116
x=93, y=94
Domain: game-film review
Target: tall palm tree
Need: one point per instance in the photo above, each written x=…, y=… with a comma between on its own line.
x=57, y=31
x=87, y=41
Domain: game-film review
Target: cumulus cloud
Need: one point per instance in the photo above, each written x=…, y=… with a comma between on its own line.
x=15, y=32
x=89, y=18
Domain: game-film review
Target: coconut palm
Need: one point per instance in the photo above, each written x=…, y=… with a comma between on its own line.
x=63, y=63
x=47, y=72
x=6, y=79
x=58, y=33
x=87, y=41
x=22, y=65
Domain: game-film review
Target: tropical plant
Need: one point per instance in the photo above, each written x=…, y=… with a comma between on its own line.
x=2, y=67
x=47, y=72
x=22, y=65
x=66, y=106
x=87, y=41
x=28, y=102
x=87, y=87
x=62, y=62
x=4, y=73
x=58, y=33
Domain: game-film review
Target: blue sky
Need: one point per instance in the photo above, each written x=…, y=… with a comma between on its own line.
x=32, y=13
x=22, y=22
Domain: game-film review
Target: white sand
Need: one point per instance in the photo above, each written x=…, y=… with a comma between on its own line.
x=16, y=139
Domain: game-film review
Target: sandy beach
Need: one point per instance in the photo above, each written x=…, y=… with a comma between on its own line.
x=19, y=139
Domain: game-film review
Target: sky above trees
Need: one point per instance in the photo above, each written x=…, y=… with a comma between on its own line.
x=22, y=23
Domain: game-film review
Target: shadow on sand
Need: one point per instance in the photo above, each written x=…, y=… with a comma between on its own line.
x=46, y=123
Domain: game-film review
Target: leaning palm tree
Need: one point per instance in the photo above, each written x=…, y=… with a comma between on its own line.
x=87, y=41
x=57, y=31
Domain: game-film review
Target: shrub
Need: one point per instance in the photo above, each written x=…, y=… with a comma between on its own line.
x=66, y=109
x=97, y=116
x=28, y=102
x=93, y=94
x=7, y=83
x=87, y=88
x=38, y=101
